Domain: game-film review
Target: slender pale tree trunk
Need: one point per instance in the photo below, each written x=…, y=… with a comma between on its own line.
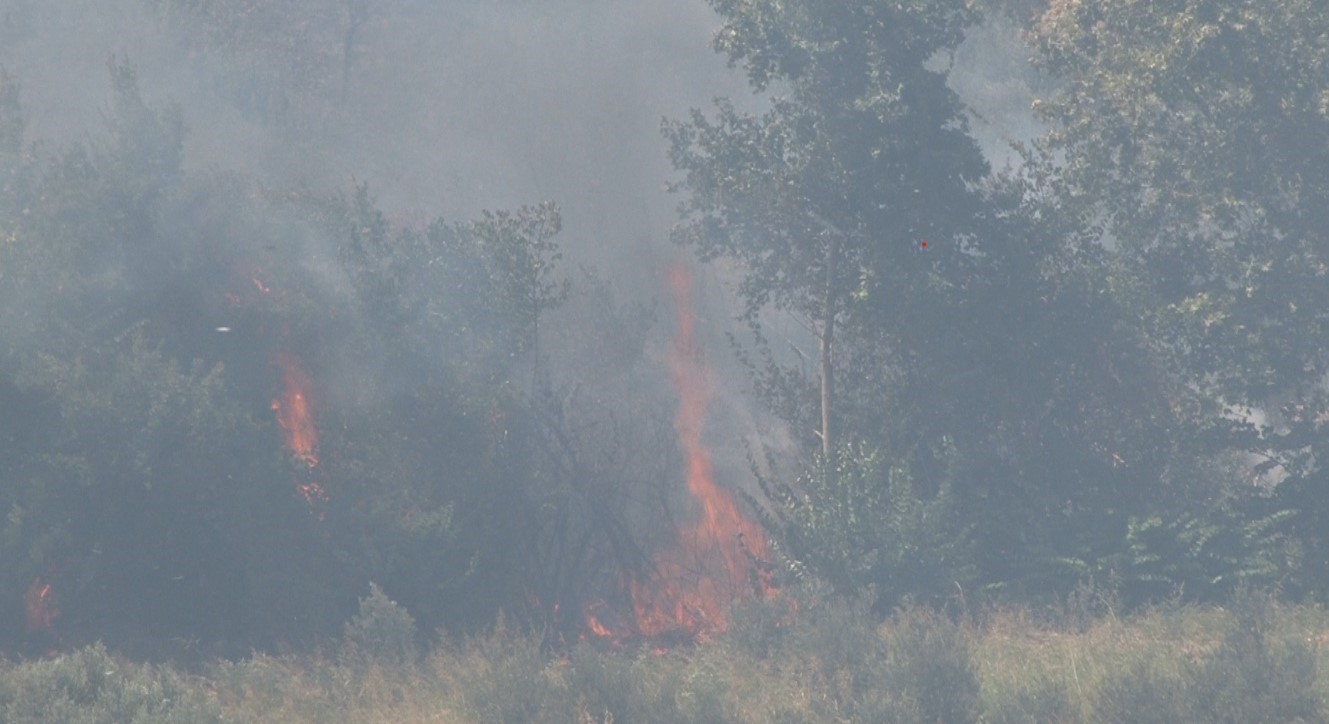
x=827, y=350
x=357, y=12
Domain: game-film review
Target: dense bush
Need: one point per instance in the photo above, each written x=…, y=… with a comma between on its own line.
x=149, y=318
x=381, y=633
x=865, y=527
x=1255, y=674
x=89, y=686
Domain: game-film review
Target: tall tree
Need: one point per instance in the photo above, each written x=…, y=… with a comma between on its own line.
x=827, y=198
x=999, y=336
x=1195, y=130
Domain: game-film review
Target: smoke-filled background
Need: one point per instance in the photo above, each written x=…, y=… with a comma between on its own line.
x=356, y=325
x=285, y=263
x=444, y=109
x=247, y=139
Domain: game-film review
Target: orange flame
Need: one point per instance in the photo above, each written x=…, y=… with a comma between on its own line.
x=259, y=282
x=715, y=560
x=593, y=623
x=293, y=411
x=313, y=494
x=42, y=611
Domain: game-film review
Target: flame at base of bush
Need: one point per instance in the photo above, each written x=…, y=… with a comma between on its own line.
x=716, y=558
x=294, y=411
x=40, y=602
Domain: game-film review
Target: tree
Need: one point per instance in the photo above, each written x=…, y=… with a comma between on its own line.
x=1193, y=129
x=1002, y=335
x=826, y=199
x=281, y=54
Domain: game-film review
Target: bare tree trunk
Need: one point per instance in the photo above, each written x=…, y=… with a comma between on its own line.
x=357, y=12
x=827, y=348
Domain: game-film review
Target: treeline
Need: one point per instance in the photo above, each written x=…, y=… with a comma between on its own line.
x=1107, y=363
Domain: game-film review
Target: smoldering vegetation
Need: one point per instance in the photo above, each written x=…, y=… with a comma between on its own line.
x=626, y=361
x=265, y=192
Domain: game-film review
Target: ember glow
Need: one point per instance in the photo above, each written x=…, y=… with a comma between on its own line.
x=293, y=411
x=593, y=621
x=714, y=561
x=313, y=494
x=42, y=611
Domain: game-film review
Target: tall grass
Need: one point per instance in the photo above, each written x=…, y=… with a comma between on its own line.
x=799, y=659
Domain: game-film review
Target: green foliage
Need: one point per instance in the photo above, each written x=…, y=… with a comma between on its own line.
x=381, y=633
x=916, y=667
x=504, y=679
x=1185, y=129
x=1255, y=674
x=1042, y=700
x=473, y=293
x=867, y=528
x=823, y=199
x=931, y=661
x=1141, y=694
x=1006, y=337
x=1037, y=398
x=1206, y=554
x=89, y=686
x=821, y=660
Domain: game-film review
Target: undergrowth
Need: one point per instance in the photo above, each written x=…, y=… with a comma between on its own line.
x=800, y=658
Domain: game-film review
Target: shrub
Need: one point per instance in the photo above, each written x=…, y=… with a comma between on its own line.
x=1251, y=676
x=1142, y=694
x=505, y=677
x=382, y=633
x=1041, y=699
x=917, y=668
x=867, y=527
x=931, y=663
x=90, y=686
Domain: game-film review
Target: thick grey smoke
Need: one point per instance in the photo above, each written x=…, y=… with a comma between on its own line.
x=448, y=108
x=451, y=108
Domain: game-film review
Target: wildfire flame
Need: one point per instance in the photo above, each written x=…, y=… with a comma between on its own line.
x=714, y=561
x=42, y=611
x=258, y=283
x=313, y=494
x=295, y=417
x=594, y=624
x=293, y=411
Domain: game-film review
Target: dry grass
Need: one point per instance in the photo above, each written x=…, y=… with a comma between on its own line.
x=829, y=665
